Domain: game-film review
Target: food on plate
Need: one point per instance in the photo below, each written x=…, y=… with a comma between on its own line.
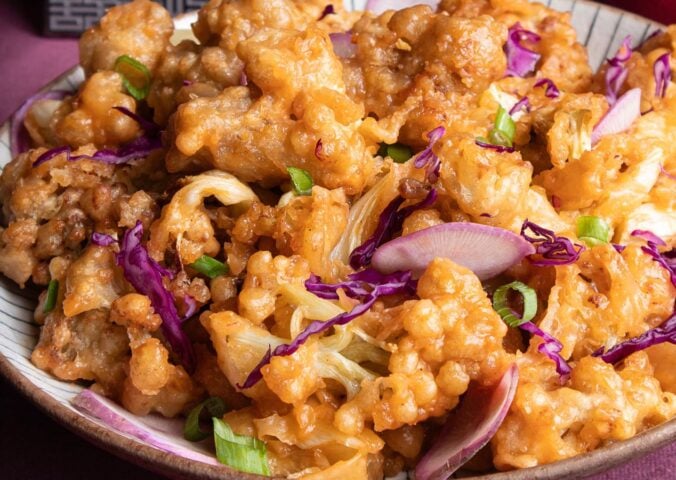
x=343, y=237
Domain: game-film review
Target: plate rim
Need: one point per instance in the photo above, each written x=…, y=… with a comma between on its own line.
x=174, y=466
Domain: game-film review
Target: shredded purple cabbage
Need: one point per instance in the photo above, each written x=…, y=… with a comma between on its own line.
x=617, y=70
x=390, y=222
x=328, y=10
x=551, y=90
x=102, y=240
x=366, y=286
x=549, y=347
x=554, y=250
x=665, y=259
x=497, y=148
x=662, y=74
x=190, y=306
x=428, y=158
x=145, y=275
x=20, y=139
x=662, y=334
x=618, y=248
x=137, y=148
x=520, y=60
x=524, y=104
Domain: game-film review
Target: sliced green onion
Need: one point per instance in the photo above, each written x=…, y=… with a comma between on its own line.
x=497, y=137
x=301, y=181
x=210, y=267
x=505, y=125
x=52, y=294
x=398, y=152
x=191, y=430
x=135, y=76
x=510, y=317
x=246, y=454
x=593, y=230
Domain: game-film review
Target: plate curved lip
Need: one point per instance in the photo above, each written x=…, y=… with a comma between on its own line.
x=177, y=467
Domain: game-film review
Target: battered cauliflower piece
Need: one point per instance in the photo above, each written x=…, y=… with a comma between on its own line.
x=186, y=221
x=140, y=29
x=547, y=422
x=449, y=337
x=93, y=120
x=605, y=298
x=303, y=105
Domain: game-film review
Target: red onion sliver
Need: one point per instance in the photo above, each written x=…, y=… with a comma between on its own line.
x=523, y=104
x=617, y=70
x=342, y=45
x=662, y=74
x=469, y=427
x=620, y=117
x=20, y=140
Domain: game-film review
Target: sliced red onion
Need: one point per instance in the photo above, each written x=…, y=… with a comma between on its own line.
x=553, y=249
x=662, y=334
x=342, y=44
x=465, y=243
x=617, y=70
x=497, y=148
x=390, y=222
x=163, y=433
x=620, y=117
x=665, y=259
x=662, y=74
x=20, y=139
x=328, y=10
x=380, y=6
x=469, y=427
x=551, y=348
x=428, y=158
x=145, y=275
x=551, y=90
x=523, y=104
x=102, y=240
x=520, y=60
x=366, y=286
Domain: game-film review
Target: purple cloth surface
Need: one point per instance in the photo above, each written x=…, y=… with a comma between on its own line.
x=32, y=446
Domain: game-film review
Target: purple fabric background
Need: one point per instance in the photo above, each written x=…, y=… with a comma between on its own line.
x=34, y=447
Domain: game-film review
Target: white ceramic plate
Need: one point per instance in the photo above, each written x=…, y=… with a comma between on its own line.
x=599, y=27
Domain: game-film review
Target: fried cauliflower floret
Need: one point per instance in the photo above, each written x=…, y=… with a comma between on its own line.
x=140, y=29
x=264, y=276
x=134, y=310
x=310, y=226
x=605, y=298
x=16, y=257
x=93, y=118
x=186, y=221
x=84, y=347
x=92, y=281
x=485, y=182
x=303, y=104
x=547, y=422
x=449, y=337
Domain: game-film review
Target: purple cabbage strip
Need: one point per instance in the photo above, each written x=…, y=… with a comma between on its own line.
x=662, y=334
x=524, y=103
x=551, y=90
x=390, y=222
x=137, y=148
x=664, y=172
x=549, y=347
x=328, y=10
x=20, y=139
x=497, y=148
x=358, y=288
x=520, y=60
x=554, y=250
x=617, y=70
x=662, y=74
x=665, y=259
x=618, y=248
x=428, y=158
x=102, y=240
x=145, y=275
